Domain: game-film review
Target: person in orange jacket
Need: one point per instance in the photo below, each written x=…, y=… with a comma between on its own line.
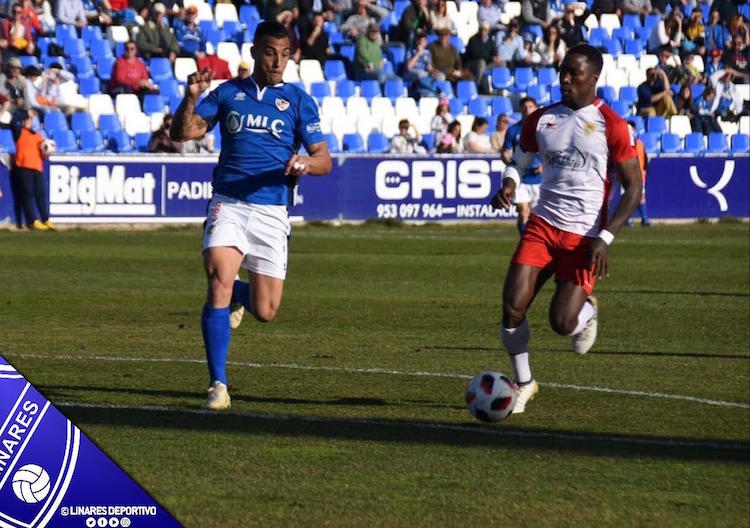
x=643, y=163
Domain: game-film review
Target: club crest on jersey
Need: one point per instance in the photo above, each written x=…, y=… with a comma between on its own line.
x=282, y=104
x=589, y=128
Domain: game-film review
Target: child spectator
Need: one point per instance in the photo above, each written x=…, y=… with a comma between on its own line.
x=408, y=139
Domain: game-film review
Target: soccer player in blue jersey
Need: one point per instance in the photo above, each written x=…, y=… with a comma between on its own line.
x=263, y=123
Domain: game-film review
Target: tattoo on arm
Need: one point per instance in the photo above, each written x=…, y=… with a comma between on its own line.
x=186, y=124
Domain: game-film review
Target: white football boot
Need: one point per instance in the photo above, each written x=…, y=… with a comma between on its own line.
x=526, y=392
x=236, y=311
x=218, y=397
x=584, y=340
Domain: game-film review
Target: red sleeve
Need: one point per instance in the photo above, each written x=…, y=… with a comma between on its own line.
x=528, y=132
x=619, y=142
x=119, y=76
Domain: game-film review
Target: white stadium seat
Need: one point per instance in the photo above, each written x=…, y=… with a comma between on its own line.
x=744, y=91
x=390, y=125
x=225, y=12
x=729, y=128
x=381, y=106
x=126, y=104
x=648, y=60
x=184, y=66
x=204, y=12
x=636, y=77
x=245, y=52
x=100, y=104
x=118, y=34
x=331, y=106
x=428, y=105
x=137, y=122
x=230, y=53
x=609, y=21
x=356, y=106
x=367, y=123
x=406, y=108
x=513, y=9
x=340, y=125
x=157, y=119
x=290, y=73
x=745, y=125
x=616, y=78
x=591, y=21
x=680, y=125
x=466, y=121
x=626, y=62
x=310, y=71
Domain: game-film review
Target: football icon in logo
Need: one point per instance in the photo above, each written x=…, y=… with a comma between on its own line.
x=31, y=484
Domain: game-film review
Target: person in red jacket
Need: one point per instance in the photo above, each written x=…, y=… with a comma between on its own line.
x=219, y=67
x=129, y=74
x=16, y=33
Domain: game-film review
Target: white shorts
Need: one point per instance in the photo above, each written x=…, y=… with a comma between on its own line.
x=260, y=232
x=527, y=193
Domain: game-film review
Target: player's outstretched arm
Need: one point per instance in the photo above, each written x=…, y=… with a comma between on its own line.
x=318, y=163
x=629, y=175
x=186, y=124
x=519, y=164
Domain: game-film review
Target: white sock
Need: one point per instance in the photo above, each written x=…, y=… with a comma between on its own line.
x=516, y=341
x=584, y=316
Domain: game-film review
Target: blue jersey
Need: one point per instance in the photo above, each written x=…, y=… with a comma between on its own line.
x=260, y=131
x=513, y=138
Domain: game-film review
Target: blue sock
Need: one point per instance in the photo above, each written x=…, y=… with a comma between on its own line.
x=643, y=212
x=521, y=228
x=241, y=293
x=216, y=337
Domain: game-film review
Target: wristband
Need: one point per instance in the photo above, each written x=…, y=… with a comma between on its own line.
x=606, y=236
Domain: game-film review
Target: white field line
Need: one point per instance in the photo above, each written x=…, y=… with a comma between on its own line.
x=482, y=429
x=693, y=399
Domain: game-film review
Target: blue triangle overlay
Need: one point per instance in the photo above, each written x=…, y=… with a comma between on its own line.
x=53, y=475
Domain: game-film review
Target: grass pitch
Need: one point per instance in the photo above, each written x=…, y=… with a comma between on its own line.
x=348, y=409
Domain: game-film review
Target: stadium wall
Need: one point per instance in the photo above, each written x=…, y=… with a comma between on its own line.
x=175, y=189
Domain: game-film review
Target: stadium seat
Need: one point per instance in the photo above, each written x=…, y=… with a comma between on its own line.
x=118, y=34
x=395, y=52
x=608, y=93
x=501, y=105
x=631, y=21
x=104, y=67
x=445, y=88
x=332, y=107
x=597, y=36
x=100, y=48
x=74, y=47
x=369, y=89
x=81, y=121
x=49, y=61
x=393, y=89
x=109, y=125
x=310, y=71
x=160, y=68
x=623, y=33
x=334, y=70
x=547, y=76
x=399, y=6
x=353, y=143
x=650, y=142
x=740, y=144
x=6, y=141
x=120, y=142
x=457, y=106
x=501, y=78
x=378, y=143
x=137, y=122
x=671, y=143
x=539, y=93
x=347, y=50
x=64, y=32
x=633, y=47
x=141, y=141
x=554, y=93
x=680, y=125
x=695, y=143
x=466, y=90
x=428, y=140
x=640, y=125
x=333, y=142
x=656, y=124
x=54, y=120
x=126, y=104
x=92, y=141
x=319, y=90
x=225, y=12
x=154, y=103
x=89, y=33
x=623, y=108
x=428, y=105
x=406, y=108
x=65, y=140
x=28, y=60
x=184, y=66
x=534, y=30
x=479, y=107
x=82, y=67
x=523, y=78
x=345, y=89
x=248, y=14
x=169, y=88
x=651, y=20
x=629, y=94
x=717, y=143
x=609, y=21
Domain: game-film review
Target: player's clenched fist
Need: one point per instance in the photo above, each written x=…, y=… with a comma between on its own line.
x=504, y=197
x=198, y=82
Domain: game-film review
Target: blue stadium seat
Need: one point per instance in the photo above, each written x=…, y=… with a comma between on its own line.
x=697, y=90
x=168, y=88
x=369, y=89
x=160, y=68
x=554, y=93
x=109, y=124
x=547, y=76
x=63, y=32
x=456, y=106
x=65, y=140
x=623, y=33
x=535, y=30
x=613, y=46
x=539, y=93
x=141, y=141
x=428, y=140
x=207, y=25
x=598, y=35
x=466, y=90
x=656, y=124
x=333, y=142
x=104, y=67
x=395, y=52
x=633, y=47
x=49, y=61
x=695, y=143
x=89, y=33
x=458, y=43
x=642, y=34
x=399, y=6
x=740, y=144
x=502, y=105
x=214, y=36
x=153, y=103
x=28, y=60
x=100, y=48
x=347, y=50
x=378, y=143
x=650, y=142
x=622, y=107
x=42, y=44
x=607, y=93
x=345, y=89
x=89, y=86
x=82, y=67
x=120, y=142
x=55, y=120
x=501, y=78
x=393, y=89
x=717, y=142
x=6, y=141
x=523, y=78
x=334, y=70
x=92, y=141
x=354, y=143
x=248, y=14
x=74, y=47
x=671, y=143
x=629, y=94
x=640, y=125
x=319, y=90
x=446, y=88
x=479, y=107
x=651, y=20
x=631, y=21
x=81, y=121
x=232, y=29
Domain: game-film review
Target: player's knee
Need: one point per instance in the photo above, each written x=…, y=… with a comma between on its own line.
x=265, y=313
x=513, y=312
x=563, y=324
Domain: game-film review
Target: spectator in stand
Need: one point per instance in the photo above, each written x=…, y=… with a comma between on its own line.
x=480, y=54
x=97, y=12
x=477, y=141
x=243, y=70
x=340, y=9
x=30, y=152
x=49, y=95
x=46, y=18
x=509, y=46
x=408, y=139
x=368, y=57
x=129, y=74
x=218, y=66
x=155, y=38
x=490, y=12
x=5, y=115
x=668, y=32
x=288, y=20
x=636, y=7
x=677, y=73
x=726, y=8
x=729, y=104
x=738, y=26
x=685, y=104
x=714, y=63
x=536, y=12
x=160, y=140
x=445, y=58
x=33, y=77
x=529, y=56
x=735, y=60
x=314, y=39
x=705, y=121
x=418, y=69
x=29, y=16
x=551, y=48
x=450, y=143
x=415, y=19
x=16, y=34
x=497, y=138
x=717, y=35
x=694, y=34
x=71, y=12
x=439, y=18
x=274, y=7
x=571, y=26
x=600, y=7
x=366, y=15
x=15, y=86
x=441, y=120
x=655, y=95
x=189, y=34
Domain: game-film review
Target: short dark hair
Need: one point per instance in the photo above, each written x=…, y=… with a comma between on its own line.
x=527, y=99
x=478, y=122
x=593, y=56
x=269, y=28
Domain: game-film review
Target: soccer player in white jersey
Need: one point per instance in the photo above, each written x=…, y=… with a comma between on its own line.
x=580, y=142
x=263, y=122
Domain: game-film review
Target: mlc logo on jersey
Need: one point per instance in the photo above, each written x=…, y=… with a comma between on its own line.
x=715, y=191
x=237, y=122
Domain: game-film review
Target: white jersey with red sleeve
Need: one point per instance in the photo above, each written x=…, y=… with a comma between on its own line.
x=578, y=149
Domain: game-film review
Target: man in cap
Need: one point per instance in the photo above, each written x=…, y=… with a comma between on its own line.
x=155, y=38
x=243, y=70
x=445, y=57
x=368, y=56
x=189, y=34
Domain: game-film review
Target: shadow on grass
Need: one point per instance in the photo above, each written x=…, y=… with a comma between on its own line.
x=595, y=352
x=676, y=292
x=411, y=432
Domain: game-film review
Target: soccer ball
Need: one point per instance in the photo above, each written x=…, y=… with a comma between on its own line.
x=49, y=146
x=491, y=396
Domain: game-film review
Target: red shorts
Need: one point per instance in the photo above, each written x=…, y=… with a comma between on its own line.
x=543, y=245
